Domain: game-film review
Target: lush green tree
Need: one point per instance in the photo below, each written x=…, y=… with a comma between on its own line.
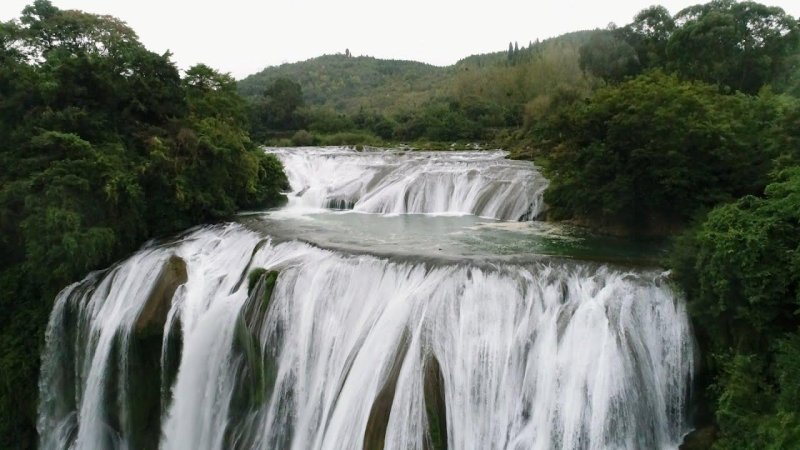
x=324, y=120
x=375, y=122
x=649, y=34
x=740, y=45
x=740, y=270
x=103, y=146
x=277, y=109
x=609, y=56
x=646, y=154
x=437, y=121
x=213, y=94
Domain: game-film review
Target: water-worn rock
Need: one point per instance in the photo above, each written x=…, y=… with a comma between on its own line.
x=435, y=406
x=154, y=313
x=375, y=434
x=700, y=439
x=145, y=377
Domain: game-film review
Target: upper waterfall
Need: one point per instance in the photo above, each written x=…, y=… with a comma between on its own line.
x=482, y=183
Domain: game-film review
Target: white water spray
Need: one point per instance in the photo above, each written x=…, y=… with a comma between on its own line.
x=482, y=183
x=546, y=355
x=226, y=339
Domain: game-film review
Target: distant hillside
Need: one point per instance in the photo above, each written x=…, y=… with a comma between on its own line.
x=572, y=39
x=347, y=84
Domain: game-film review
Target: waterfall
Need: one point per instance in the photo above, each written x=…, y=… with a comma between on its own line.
x=404, y=334
x=482, y=183
x=226, y=339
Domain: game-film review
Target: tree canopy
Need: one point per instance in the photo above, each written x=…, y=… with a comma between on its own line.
x=740, y=269
x=103, y=145
x=737, y=45
x=650, y=152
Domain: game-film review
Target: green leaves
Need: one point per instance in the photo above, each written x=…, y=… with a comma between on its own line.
x=102, y=147
x=739, y=46
x=739, y=270
x=647, y=154
x=277, y=108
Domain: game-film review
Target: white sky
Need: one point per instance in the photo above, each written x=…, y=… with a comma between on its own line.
x=244, y=36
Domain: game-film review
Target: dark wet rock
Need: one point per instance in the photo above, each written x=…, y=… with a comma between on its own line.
x=435, y=406
x=154, y=313
x=375, y=434
x=700, y=439
x=145, y=380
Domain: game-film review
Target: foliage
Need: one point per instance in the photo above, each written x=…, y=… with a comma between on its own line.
x=346, y=84
x=403, y=101
x=280, y=103
x=649, y=34
x=324, y=120
x=302, y=138
x=742, y=46
x=103, y=146
x=653, y=150
x=740, y=269
x=747, y=291
x=609, y=57
x=347, y=138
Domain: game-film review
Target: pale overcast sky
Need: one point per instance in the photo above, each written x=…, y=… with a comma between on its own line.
x=244, y=36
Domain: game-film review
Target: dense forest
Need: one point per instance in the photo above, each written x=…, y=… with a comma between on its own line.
x=346, y=83
x=103, y=145
x=341, y=99
x=683, y=125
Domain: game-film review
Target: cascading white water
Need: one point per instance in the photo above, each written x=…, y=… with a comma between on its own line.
x=230, y=338
x=545, y=355
x=482, y=183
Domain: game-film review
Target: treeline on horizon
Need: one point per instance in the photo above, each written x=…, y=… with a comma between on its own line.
x=346, y=100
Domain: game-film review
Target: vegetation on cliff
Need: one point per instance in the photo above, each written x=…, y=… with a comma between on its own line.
x=103, y=145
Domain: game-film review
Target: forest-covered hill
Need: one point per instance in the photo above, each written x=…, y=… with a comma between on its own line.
x=347, y=83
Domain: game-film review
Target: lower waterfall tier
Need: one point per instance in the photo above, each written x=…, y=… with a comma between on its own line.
x=226, y=340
